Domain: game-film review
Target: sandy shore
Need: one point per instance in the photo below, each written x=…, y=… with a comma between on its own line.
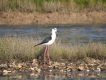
x=36, y=67
x=19, y=18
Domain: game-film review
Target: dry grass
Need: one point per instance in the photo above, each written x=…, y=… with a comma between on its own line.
x=76, y=52
x=17, y=48
x=53, y=5
x=24, y=50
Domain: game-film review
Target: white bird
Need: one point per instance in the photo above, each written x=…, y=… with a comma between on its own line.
x=48, y=41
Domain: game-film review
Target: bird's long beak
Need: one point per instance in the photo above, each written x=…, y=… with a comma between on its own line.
x=58, y=32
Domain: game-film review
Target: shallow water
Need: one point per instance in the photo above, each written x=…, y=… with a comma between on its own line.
x=66, y=33
x=57, y=76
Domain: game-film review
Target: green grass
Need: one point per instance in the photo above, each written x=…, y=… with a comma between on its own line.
x=13, y=48
x=52, y=5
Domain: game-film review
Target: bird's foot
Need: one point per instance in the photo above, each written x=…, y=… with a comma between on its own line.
x=50, y=63
x=44, y=64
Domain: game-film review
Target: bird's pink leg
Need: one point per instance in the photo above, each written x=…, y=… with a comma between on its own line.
x=45, y=52
x=48, y=54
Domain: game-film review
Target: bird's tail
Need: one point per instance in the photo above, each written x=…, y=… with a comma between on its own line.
x=37, y=44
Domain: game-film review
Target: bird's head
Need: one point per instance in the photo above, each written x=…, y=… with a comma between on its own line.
x=54, y=30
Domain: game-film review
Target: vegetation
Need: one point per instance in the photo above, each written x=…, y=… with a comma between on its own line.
x=52, y=5
x=13, y=48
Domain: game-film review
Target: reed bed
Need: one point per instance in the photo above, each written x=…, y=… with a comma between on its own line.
x=17, y=48
x=52, y=5
x=13, y=48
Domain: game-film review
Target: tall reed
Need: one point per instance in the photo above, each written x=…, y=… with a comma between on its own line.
x=23, y=49
x=17, y=48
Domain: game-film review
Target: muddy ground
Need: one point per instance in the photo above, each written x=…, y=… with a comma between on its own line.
x=34, y=18
x=36, y=67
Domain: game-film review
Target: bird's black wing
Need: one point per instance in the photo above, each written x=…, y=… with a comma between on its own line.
x=45, y=40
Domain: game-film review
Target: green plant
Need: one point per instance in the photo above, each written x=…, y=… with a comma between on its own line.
x=23, y=49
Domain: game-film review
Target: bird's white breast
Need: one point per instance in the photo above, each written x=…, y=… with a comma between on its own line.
x=52, y=40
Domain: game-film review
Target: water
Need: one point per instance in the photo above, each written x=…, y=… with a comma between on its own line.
x=66, y=33
x=57, y=76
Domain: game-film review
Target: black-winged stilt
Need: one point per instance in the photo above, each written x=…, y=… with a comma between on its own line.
x=48, y=41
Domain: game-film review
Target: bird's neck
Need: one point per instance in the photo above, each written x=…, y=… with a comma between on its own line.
x=53, y=34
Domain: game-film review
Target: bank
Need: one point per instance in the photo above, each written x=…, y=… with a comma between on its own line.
x=38, y=18
x=33, y=68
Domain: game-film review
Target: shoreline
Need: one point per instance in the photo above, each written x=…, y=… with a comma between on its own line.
x=36, y=66
x=55, y=18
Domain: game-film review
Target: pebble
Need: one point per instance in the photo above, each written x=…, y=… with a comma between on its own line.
x=38, y=70
x=19, y=66
x=81, y=68
x=6, y=72
x=50, y=70
x=32, y=68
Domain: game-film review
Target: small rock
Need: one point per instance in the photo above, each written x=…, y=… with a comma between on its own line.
x=19, y=66
x=4, y=66
x=56, y=64
x=98, y=69
x=32, y=74
x=69, y=69
x=19, y=77
x=12, y=64
x=5, y=72
x=35, y=63
x=50, y=66
x=62, y=70
x=87, y=70
x=50, y=70
x=63, y=64
x=80, y=68
x=38, y=70
x=32, y=69
x=55, y=67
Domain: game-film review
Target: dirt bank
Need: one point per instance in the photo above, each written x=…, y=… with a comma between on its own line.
x=36, y=66
x=18, y=18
